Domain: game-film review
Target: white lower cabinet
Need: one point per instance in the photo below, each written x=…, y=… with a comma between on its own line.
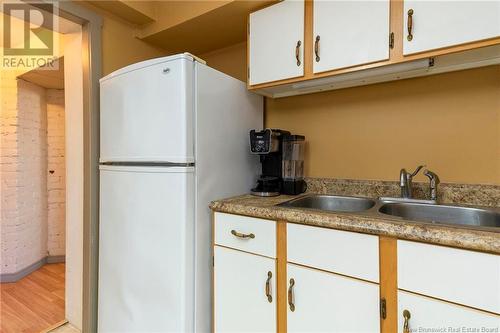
x=424, y=314
x=459, y=276
x=332, y=282
x=243, y=283
x=326, y=302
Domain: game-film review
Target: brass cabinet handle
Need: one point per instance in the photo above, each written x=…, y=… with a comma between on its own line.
x=316, y=48
x=410, y=25
x=297, y=52
x=290, y=295
x=406, y=324
x=268, y=287
x=240, y=235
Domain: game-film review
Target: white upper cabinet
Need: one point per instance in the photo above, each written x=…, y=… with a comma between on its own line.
x=349, y=33
x=276, y=42
x=430, y=25
x=324, y=302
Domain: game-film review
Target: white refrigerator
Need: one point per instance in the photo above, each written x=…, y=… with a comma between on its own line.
x=174, y=136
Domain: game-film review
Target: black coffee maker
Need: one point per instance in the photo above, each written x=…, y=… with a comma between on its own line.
x=269, y=144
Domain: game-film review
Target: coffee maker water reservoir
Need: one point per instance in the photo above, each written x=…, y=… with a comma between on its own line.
x=293, y=164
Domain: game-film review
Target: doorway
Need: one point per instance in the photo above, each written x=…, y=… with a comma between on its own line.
x=33, y=228
x=63, y=229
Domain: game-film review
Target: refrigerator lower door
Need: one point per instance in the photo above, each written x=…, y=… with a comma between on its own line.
x=146, y=248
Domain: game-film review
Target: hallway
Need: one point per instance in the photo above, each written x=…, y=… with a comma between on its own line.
x=33, y=303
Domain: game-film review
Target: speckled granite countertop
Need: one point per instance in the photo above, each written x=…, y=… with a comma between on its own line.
x=462, y=237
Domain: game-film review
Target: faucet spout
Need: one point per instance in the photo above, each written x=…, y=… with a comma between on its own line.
x=405, y=181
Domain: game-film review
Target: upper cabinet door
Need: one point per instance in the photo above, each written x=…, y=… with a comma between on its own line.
x=430, y=25
x=349, y=33
x=276, y=42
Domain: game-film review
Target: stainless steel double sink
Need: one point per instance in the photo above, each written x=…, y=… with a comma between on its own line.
x=434, y=213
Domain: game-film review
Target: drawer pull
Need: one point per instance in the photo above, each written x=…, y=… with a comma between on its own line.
x=406, y=324
x=410, y=25
x=297, y=52
x=268, y=287
x=240, y=235
x=290, y=295
x=316, y=48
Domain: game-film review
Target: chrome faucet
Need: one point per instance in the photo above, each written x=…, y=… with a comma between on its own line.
x=433, y=183
x=405, y=181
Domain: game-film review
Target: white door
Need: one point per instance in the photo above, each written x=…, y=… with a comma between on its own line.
x=349, y=33
x=437, y=24
x=243, y=283
x=325, y=302
x=147, y=114
x=146, y=249
x=276, y=42
x=432, y=315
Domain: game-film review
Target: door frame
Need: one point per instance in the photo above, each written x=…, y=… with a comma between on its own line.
x=91, y=44
x=91, y=24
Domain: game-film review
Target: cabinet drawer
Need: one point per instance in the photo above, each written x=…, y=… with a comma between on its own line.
x=459, y=276
x=246, y=233
x=343, y=252
x=431, y=315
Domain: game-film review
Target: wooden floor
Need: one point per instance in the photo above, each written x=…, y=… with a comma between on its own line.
x=33, y=303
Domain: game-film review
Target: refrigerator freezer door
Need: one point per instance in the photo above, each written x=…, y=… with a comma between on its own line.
x=146, y=249
x=147, y=114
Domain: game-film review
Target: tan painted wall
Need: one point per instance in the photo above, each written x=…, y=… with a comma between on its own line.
x=120, y=47
x=230, y=60
x=170, y=13
x=451, y=122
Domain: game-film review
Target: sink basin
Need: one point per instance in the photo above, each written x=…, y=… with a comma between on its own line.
x=443, y=214
x=332, y=203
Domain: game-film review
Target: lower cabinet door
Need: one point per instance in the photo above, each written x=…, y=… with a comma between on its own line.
x=424, y=314
x=325, y=302
x=244, y=292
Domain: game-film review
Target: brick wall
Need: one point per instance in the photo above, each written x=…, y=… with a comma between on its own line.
x=9, y=173
x=29, y=198
x=32, y=178
x=56, y=195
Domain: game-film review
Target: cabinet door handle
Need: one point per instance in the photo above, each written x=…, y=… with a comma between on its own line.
x=240, y=235
x=297, y=52
x=410, y=25
x=290, y=295
x=268, y=287
x=316, y=48
x=406, y=324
